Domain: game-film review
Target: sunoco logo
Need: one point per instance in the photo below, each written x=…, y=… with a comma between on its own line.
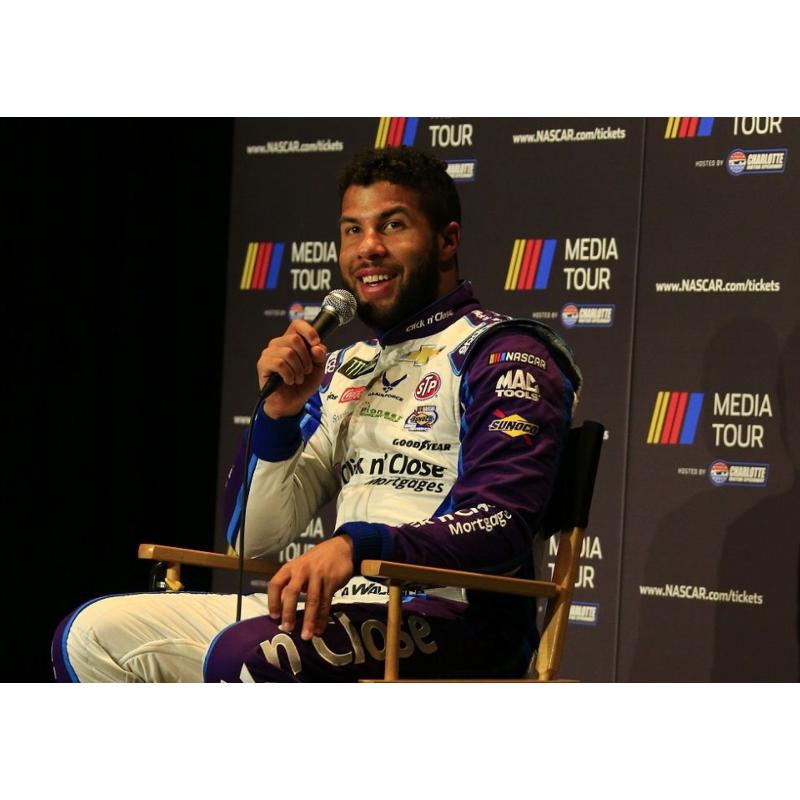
x=513, y=425
x=724, y=473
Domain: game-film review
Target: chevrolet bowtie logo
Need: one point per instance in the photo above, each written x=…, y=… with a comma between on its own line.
x=422, y=356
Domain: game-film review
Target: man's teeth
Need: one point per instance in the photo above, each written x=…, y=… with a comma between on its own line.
x=375, y=278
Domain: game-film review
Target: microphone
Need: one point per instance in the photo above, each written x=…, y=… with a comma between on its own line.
x=338, y=308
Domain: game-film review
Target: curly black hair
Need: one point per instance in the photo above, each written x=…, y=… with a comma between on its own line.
x=412, y=168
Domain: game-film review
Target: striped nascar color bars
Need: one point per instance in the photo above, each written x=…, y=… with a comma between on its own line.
x=675, y=418
x=688, y=127
x=262, y=265
x=531, y=260
x=395, y=131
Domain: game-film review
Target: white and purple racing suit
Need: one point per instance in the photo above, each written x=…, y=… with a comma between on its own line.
x=440, y=441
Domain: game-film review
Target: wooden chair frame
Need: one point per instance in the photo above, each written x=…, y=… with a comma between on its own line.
x=570, y=504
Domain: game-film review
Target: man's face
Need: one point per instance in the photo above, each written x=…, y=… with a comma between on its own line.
x=389, y=256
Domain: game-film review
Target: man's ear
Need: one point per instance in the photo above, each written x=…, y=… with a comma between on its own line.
x=448, y=240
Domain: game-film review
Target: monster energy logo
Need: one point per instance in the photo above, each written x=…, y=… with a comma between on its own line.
x=356, y=367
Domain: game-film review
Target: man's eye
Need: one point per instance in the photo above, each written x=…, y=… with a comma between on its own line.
x=393, y=225
x=351, y=230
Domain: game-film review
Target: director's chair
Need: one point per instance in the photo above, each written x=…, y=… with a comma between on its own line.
x=567, y=516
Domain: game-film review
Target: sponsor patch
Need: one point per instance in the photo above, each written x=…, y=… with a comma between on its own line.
x=379, y=413
x=421, y=356
x=422, y=418
x=352, y=393
x=428, y=387
x=737, y=473
x=517, y=383
x=522, y=358
x=513, y=425
x=356, y=367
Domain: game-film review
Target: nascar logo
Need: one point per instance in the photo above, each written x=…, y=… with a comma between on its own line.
x=531, y=260
x=394, y=131
x=675, y=418
x=688, y=127
x=262, y=265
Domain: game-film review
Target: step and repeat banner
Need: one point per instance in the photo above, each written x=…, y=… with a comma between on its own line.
x=666, y=253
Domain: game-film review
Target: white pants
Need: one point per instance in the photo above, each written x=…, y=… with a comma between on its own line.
x=149, y=637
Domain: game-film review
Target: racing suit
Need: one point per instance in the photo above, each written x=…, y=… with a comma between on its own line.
x=440, y=441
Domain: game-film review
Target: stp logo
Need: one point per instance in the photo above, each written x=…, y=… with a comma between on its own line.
x=428, y=386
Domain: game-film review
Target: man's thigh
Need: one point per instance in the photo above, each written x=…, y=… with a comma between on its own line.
x=149, y=637
x=438, y=639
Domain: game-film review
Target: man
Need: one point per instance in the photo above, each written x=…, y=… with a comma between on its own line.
x=440, y=439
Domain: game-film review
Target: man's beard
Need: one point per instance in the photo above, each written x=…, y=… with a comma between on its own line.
x=419, y=292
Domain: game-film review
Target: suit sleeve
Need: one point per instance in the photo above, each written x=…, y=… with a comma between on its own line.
x=515, y=415
x=291, y=480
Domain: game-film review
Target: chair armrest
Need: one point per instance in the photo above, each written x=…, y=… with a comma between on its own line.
x=434, y=576
x=201, y=558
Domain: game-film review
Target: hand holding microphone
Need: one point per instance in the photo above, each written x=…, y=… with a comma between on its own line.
x=290, y=368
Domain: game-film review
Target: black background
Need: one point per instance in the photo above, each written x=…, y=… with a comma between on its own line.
x=114, y=242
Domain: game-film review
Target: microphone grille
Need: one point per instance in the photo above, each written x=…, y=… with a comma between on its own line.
x=341, y=303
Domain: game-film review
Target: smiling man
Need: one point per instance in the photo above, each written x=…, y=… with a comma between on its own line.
x=439, y=439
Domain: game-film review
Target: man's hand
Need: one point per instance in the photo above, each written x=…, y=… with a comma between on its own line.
x=319, y=573
x=299, y=358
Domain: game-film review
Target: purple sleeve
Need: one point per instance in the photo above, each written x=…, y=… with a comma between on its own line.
x=516, y=409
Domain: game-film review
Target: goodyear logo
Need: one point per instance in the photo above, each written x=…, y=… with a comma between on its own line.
x=262, y=265
x=688, y=127
x=396, y=131
x=675, y=418
x=729, y=473
x=529, y=267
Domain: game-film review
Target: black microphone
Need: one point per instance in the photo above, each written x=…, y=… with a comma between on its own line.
x=338, y=308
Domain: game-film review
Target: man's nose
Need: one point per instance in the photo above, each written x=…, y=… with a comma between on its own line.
x=371, y=245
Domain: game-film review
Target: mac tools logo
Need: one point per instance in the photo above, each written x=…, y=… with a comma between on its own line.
x=396, y=131
x=263, y=263
x=675, y=417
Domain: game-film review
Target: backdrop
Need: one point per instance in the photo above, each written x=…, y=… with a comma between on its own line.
x=665, y=251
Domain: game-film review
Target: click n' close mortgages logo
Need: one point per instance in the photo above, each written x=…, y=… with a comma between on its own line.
x=396, y=131
x=675, y=418
x=530, y=264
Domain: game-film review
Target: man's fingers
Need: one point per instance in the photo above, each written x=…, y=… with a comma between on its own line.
x=306, y=330
x=313, y=602
x=324, y=611
x=289, y=597
x=275, y=589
